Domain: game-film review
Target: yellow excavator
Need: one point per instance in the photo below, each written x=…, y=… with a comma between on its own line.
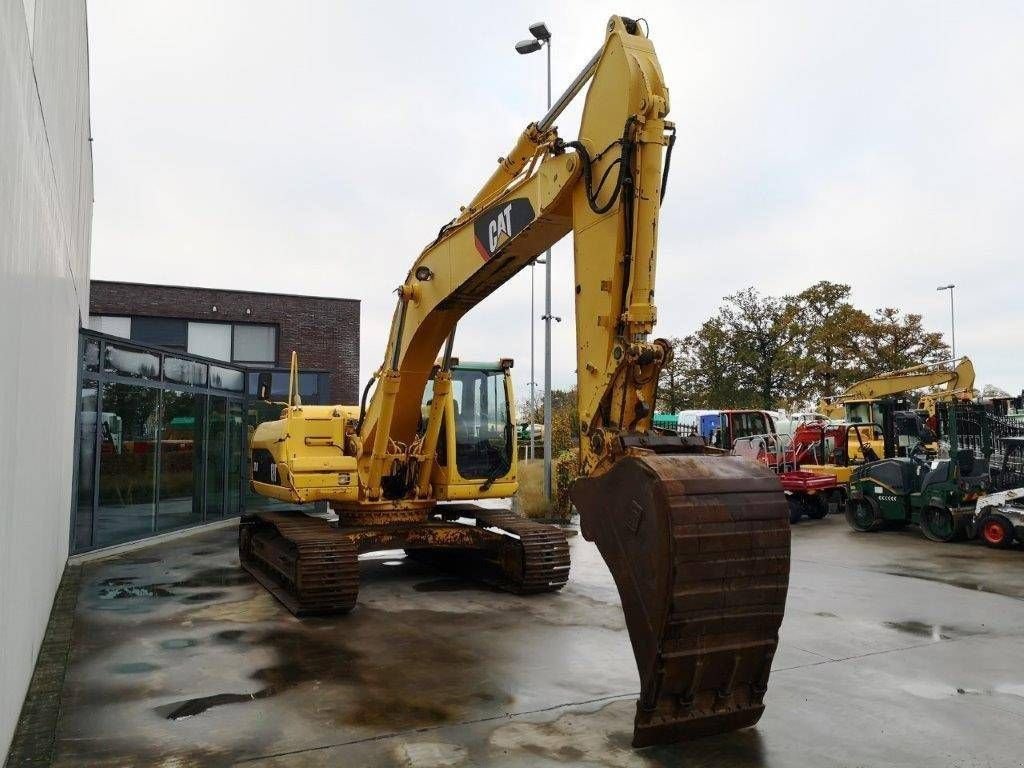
x=860, y=402
x=697, y=542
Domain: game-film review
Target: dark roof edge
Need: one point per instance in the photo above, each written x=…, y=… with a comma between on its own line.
x=223, y=290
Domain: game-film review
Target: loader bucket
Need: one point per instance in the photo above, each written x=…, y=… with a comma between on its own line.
x=698, y=547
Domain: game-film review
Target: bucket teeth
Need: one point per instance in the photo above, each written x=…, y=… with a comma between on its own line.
x=699, y=550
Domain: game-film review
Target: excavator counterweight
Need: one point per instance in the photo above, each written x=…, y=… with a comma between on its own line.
x=697, y=543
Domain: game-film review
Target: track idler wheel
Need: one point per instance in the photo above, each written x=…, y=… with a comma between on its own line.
x=698, y=547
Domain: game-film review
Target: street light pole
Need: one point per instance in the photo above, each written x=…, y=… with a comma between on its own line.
x=542, y=38
x=547, y=340
x=952, y=316
x=533, y=379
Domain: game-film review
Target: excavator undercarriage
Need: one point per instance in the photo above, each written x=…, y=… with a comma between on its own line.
x=311, y=564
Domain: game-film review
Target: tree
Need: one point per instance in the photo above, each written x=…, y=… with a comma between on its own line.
x=831, y=328
x=892, y=340
x=710, y=369
x=761, y=351
x=673, y=393
x=565, y=419
x=762, y=332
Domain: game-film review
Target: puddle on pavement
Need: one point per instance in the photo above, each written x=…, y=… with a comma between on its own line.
x=935, y=632
x=203, y=597
x=126, y=591
x=939, y=578
x=229, y=635
x=192, y=707
x=178, y=643
x=826, y=615
x=134, y=668
x=215, y=577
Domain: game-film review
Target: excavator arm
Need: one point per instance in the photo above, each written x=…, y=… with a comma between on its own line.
x=606, y=188
x=955, y=376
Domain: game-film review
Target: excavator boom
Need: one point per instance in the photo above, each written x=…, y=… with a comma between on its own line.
x=698, y=544
x=955, y=377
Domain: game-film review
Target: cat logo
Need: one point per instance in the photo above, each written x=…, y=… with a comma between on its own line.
x=498, y=229
x=497, y=225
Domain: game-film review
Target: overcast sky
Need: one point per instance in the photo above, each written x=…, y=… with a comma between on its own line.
x=315, y=147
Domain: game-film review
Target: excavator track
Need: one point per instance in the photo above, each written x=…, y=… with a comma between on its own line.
x=540, y=562
x=312, y=566
x=698, y=547
x=303, y=561
x=520, y=555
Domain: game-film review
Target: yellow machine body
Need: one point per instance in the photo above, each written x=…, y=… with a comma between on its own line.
x=311, y=449
x=950, y=379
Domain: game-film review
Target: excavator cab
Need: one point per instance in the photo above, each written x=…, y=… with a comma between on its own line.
x=476, y=450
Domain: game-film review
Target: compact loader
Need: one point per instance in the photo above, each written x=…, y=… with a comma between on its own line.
x=698, y=544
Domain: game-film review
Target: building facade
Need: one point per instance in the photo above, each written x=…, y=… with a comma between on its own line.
x=256, y=330
x=45, y=227
x=160, y=442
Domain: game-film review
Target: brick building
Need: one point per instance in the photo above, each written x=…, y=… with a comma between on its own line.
x=258, y=330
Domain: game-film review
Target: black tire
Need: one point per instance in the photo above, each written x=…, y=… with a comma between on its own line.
x=838, y=497
x=996, y=531
x=862, y=516
x=796, y=509
x=817, y=507
x=937, y=524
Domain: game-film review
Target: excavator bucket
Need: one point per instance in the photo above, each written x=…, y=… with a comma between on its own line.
x=698, y=546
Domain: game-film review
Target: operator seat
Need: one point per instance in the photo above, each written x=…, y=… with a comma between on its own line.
x=940, y=474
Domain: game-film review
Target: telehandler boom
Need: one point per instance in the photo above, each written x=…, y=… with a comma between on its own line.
x=698, y=544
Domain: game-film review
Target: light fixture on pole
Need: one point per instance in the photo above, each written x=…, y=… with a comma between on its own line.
x=542, y=39
x=952, y=316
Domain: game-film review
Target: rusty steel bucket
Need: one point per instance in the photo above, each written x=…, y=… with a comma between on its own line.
x=698, y=546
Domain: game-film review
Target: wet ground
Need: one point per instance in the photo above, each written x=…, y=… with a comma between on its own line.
x=896, y=651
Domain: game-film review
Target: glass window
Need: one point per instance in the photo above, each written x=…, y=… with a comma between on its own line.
x=312, y=386
x=115, y=326
x=226, y=378
x=858, y=413
x=185, y=371
x=216, y=458
x=128, y=431
x=748, y=424
x=86, y=465
x=182, y=420
x=210, y=340
x=160, y=332
x=483, y=441
x=131, y=362
x=255, y=344
x=91, y=355
x=236, y=445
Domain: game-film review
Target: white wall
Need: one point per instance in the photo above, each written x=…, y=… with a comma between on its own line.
x=45, y=220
